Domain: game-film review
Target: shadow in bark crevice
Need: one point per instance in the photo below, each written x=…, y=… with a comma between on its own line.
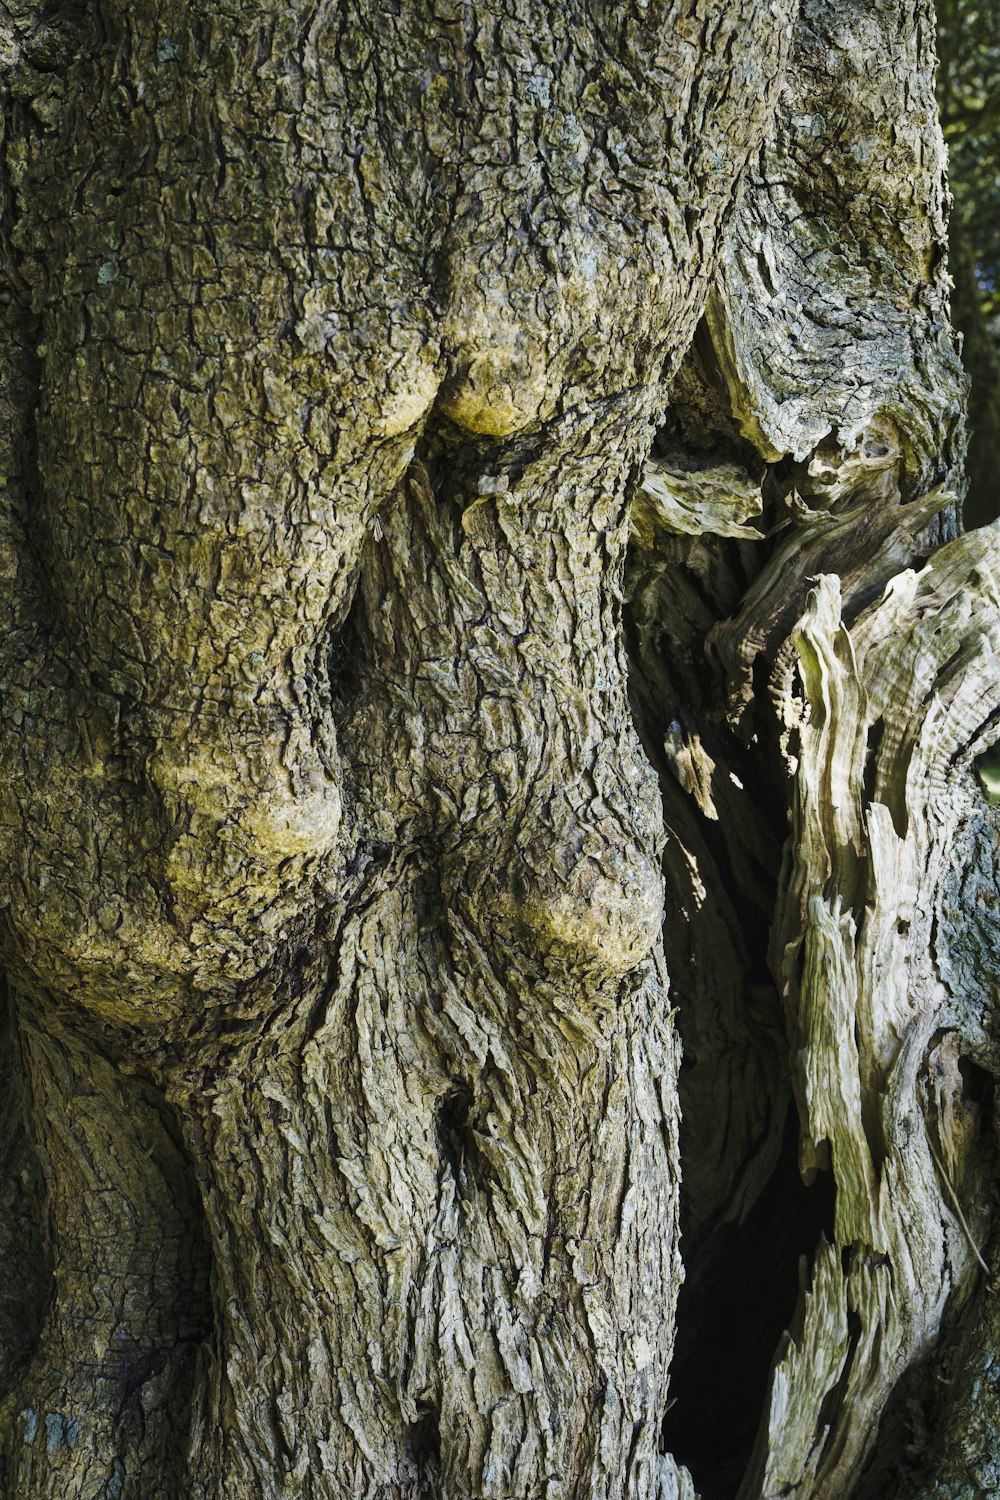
x=27, y=1287
x=425, y=1448
x=346, y=652
x=457, y=1137
x=739, y=1297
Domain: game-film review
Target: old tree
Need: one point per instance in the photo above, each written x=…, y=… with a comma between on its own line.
x=498, y=910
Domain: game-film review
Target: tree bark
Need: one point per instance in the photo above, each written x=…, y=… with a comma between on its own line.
x=469, y=479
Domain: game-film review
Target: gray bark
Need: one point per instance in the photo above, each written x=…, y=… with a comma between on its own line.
x=456, y=456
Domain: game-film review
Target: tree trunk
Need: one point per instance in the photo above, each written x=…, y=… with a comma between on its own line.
x=469, y=526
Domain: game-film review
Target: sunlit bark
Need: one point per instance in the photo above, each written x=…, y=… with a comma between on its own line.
x=467, y=473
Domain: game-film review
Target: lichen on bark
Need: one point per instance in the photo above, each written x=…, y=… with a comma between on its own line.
x=344, y=921
x=381, y=943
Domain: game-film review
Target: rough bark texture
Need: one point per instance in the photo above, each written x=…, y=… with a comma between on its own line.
x=342, y=1147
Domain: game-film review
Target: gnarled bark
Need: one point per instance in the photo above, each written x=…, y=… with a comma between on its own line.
x=386, y=939
x=340, y=899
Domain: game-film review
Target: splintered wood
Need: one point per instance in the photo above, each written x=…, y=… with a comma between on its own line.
x=883, y=722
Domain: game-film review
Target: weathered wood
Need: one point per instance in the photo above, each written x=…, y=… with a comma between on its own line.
x=804, y=372
x=336, y=899
x=883, y=721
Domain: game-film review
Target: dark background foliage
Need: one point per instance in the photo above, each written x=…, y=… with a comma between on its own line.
x=969, y=97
